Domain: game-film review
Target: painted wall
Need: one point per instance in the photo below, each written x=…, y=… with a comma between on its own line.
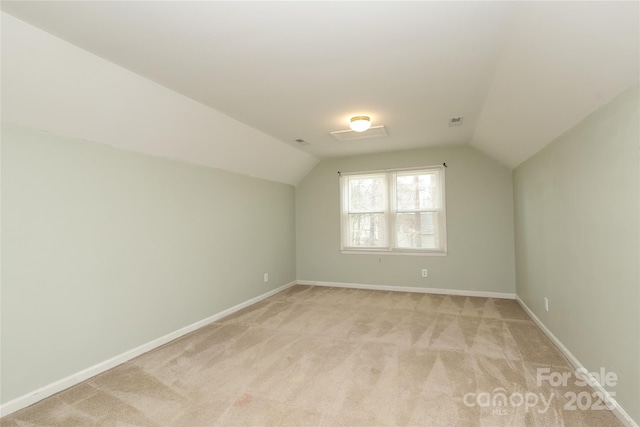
x=577, y=219
x=479, y=225
x=105, y=249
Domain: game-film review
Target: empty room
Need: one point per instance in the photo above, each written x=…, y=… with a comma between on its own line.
x=320, y=213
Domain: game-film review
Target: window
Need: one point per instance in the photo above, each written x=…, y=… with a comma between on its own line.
x=396, y=211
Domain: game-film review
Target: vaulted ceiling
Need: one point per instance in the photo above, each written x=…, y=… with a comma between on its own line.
x=520, y=73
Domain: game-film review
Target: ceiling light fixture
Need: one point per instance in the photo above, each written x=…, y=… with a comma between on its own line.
x=360, y=123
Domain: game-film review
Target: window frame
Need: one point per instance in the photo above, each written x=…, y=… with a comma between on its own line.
x=391, y=211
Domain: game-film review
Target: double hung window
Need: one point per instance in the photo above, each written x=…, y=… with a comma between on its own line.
x=395, y=211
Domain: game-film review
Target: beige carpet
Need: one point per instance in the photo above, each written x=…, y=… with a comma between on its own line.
x=336, y=357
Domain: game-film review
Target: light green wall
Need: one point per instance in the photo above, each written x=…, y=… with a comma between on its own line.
x=577, y=219
x=104, y=250
x=479, y=197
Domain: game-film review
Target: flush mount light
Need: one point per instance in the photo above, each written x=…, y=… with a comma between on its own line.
x=360, y=123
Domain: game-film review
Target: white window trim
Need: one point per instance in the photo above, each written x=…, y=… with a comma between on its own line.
x=390, y=213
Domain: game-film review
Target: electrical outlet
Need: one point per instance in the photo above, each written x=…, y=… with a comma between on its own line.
x=266, y=277
x=424, y=272
x=546, y=304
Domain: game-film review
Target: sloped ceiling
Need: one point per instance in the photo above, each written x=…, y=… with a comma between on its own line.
x=562, y=61
x=52, y=86
x=521, y=73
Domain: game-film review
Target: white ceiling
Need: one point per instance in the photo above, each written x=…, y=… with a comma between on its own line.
x=520, y=73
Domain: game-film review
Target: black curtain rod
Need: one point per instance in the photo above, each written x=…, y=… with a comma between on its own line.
x=444, y=164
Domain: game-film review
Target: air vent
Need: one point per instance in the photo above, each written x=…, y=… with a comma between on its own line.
x=302, y=141
x=455, y=121
x=349, y=135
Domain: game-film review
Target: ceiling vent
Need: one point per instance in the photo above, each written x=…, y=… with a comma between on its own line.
x=350, y=135
x=455, y=121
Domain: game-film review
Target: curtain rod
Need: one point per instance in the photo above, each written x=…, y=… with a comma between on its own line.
x=393, y=170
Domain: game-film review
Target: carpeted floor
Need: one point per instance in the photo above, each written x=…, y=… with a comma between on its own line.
x=337, y=357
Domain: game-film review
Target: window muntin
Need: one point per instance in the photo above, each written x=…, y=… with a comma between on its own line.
x=399, y=211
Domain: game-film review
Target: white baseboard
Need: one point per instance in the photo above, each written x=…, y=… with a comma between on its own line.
x=56, y=387
x=618, y=411
x=410, y=289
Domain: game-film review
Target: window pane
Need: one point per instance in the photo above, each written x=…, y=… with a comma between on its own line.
x=367, y=194
x=417, y=230
x=367, y=230
x=416, y=192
